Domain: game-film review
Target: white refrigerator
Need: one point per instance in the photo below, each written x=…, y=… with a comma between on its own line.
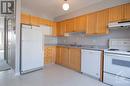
x=31, y=49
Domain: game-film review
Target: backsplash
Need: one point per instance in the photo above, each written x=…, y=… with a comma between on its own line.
x=50, y=40
x=100, y=40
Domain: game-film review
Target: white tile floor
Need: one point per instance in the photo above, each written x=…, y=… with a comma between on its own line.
x=51, y=75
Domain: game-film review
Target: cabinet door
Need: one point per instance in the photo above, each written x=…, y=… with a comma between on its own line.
x=91, y=23
x=65, y=57
x=54, y=29
x=47, y=22
x=59, y=30
x=102, y=22
x=62, y=29
x=49, y=55
x=80, y=24
x=34, y=20
x=40, y=21
x=25, y=18
x=58, y=55
x=116, y=13
x=75, y=59
x=127, y=11
x=70, y=25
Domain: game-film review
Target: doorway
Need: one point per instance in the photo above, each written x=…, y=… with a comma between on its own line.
x=7, y=44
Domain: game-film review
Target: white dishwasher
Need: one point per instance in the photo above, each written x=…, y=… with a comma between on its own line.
x=90, y=63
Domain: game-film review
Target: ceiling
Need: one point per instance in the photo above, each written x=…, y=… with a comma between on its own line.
x=53, y=8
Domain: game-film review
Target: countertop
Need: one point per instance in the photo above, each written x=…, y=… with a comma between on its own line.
x=87, y=47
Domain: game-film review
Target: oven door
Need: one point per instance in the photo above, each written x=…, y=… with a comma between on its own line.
x=115, y=80
x=117, y=64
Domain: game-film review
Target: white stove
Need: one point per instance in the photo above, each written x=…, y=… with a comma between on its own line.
x=121, y=52
x=117, y=63
x=119, y=46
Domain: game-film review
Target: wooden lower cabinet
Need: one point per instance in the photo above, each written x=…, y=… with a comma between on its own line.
x=58, y=55
x=49, y=55
x=65, y=56
x=75, y=59
x=69, y=57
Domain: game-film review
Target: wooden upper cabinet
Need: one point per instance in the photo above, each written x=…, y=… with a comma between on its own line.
x=75, y=59
x=62, y=28
x=40, y=21
x=91, y=23
x=34, y=21
x=127, y=11
x=47, y=22
x=102, y=22
x=116, y=13
x=80, y=24
x=69, y=25
x=25, y=18
x=54, y=29
x=58, y=25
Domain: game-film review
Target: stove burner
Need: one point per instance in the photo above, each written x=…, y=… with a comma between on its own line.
x=114, y=49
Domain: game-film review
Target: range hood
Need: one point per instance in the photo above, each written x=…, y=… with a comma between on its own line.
x=123, y=24
x=74, y=33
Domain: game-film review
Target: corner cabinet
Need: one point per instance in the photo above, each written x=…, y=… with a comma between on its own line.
x=69, y=57
x=58, y=55
x=69, y=25
x=61, y=28
x=62, y=56
x=34, y=21
x=49, y=55
x=25, y=18
x=54, y=29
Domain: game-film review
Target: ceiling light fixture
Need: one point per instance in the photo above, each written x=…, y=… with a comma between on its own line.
x=66, y=6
